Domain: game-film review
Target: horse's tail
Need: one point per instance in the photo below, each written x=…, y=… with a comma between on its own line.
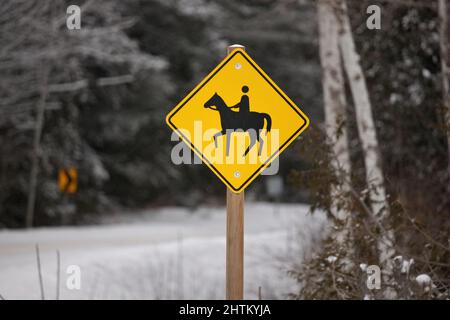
x=269, y=121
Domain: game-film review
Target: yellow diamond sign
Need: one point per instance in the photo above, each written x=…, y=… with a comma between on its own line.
x=237, y=120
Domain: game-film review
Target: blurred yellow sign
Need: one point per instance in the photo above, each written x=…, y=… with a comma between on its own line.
x=67, y=180
x=237, y=120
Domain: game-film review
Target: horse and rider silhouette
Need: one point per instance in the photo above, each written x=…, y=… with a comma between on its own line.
x=243, y=120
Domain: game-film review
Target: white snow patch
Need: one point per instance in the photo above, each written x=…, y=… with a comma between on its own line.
x=406, y=266
x=169, y=253
x=423, y=279
x=426, y=73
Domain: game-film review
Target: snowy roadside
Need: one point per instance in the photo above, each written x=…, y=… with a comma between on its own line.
x=168, y=253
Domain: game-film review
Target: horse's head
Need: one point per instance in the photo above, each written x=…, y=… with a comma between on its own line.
x=214, y=101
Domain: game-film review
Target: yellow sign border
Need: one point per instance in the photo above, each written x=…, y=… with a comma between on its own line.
x=273, y=85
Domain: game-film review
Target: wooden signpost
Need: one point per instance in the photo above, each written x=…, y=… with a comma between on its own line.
x=265, y=123
x=235, y=238
x=235, y=246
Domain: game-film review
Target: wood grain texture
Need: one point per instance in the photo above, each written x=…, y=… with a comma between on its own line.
x=235, y=246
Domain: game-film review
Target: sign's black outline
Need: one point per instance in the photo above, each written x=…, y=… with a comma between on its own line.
x=192, y=94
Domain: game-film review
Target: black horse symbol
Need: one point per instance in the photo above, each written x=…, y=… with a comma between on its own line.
x=251, y=122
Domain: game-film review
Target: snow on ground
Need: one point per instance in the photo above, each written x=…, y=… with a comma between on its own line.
x=168, y=253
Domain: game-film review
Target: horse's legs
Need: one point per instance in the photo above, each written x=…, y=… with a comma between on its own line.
x=218, y=134
x=260, y=141
x=228, y=137
x=253, y=136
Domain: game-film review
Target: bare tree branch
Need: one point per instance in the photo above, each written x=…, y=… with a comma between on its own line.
x=81, y=84
x=38, y=261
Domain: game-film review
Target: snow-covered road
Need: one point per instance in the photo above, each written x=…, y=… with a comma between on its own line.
x=168, y=253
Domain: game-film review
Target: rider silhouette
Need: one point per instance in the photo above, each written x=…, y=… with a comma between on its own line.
x=244, y=104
